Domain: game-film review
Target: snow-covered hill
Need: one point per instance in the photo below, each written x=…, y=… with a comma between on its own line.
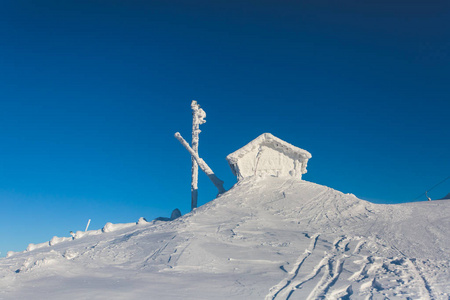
x=267, y=238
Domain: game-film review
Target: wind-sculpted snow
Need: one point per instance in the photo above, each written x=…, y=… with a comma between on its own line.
x=267, y=238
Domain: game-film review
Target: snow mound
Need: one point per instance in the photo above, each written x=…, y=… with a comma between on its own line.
x=266, y=238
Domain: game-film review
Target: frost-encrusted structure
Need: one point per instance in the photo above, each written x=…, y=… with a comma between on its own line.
x=202, y=164
x=269, y=155
x=198, y=118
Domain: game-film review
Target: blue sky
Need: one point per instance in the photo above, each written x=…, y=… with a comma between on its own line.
x=91, y=93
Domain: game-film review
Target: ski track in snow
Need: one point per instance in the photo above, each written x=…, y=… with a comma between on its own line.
x=365, y=283
x=331, y=262
x=286, y=283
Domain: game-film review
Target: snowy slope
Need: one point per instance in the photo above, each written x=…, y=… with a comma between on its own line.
x=269, y=238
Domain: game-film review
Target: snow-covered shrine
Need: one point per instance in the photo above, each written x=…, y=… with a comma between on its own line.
x=269, y=155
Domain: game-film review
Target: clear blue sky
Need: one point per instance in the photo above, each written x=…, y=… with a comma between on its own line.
x=91, y=93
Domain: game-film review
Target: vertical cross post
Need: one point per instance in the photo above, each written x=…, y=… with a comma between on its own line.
x=198, y=116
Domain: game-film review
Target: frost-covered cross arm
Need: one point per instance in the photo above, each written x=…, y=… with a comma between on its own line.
x=202, y=164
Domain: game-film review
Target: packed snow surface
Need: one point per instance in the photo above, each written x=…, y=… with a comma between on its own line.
x=266, y=238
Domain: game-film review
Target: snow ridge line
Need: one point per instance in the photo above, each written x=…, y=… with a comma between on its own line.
x=277, y=289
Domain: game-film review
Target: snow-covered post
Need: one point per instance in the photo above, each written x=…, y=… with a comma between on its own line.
x=198, y=117
x=87, y=226
x=202, y=164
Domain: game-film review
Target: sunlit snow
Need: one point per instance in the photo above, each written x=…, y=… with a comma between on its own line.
x=266, y=238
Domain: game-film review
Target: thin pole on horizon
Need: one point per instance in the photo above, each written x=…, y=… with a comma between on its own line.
x=87, y=226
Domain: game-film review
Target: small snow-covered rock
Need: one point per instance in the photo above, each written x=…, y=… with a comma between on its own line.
x=79, y=234
x=56, y=240
x=32, y=246
x=141, y=221
x=108, y=227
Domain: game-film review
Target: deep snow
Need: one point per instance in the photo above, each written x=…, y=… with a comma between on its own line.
x=266, y=238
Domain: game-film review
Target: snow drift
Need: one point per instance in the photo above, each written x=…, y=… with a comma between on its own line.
x=266, y=238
